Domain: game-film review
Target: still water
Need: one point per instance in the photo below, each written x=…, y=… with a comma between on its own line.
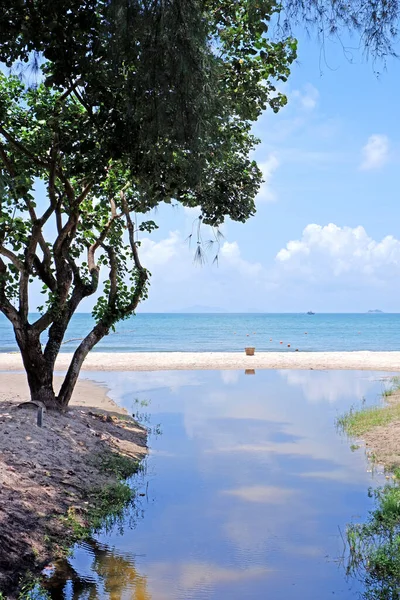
x=247, y=489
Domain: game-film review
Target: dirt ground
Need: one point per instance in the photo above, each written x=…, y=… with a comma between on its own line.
x=46, y=470
x=384, y=441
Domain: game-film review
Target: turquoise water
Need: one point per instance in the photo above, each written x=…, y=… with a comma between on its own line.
x=247, y=493
x=232, y=332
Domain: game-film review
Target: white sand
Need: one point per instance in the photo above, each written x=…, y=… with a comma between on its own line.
x=158, y=361
x=87, y=395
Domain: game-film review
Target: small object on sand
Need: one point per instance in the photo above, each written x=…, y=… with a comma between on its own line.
x=39, y=418
x=249, y=351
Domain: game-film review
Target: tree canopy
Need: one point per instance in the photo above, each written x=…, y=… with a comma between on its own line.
x=126, y=104
x=374, y=22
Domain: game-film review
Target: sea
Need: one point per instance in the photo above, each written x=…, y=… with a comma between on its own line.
x=227, y=332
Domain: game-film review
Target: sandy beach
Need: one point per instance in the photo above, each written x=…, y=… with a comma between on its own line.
x=159, y=361
x=45, y=472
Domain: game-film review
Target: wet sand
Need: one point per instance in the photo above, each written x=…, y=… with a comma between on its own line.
x=159, y=361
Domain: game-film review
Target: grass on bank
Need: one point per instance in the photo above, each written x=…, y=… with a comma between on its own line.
x=106, y=504
x=374, y=546
x=394, y=387
x=358, y=421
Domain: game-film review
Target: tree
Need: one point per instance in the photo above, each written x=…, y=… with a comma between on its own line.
x=374, y=22
x=132, y=103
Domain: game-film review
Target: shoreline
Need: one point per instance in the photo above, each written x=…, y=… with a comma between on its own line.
x=61, y=480
x=163, y=361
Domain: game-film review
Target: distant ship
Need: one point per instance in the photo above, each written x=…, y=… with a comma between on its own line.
x=310, y=312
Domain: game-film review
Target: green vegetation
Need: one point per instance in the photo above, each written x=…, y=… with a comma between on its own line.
x=374, y=547
x=119, y=465
x=356, y=422
x=106, y=508
x=354, y=447
x=105, y=505
x=30, y=589
x=394, y=387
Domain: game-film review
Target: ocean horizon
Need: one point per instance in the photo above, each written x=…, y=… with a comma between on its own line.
x=231, y=332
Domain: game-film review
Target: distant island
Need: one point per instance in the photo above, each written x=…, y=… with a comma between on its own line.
x=375, y=310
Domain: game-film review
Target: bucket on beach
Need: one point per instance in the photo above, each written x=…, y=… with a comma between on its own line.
x=249, y=351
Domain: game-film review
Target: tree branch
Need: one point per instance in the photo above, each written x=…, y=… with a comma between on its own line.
x=9, y=166
x=37, y=161
x=69, y=90
x=131, y=233
x=44, y=273
x=92, y=249
x=12, y=258
x=73, y=217
x=5, y=305
x=112, y=296
x=23, y=296
x=143, y=275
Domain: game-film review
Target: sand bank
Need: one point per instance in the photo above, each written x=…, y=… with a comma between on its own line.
x=47, y=472
x=158, y=361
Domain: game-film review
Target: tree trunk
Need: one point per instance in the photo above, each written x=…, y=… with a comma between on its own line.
x=38, y=371
x=41, y=386
x=67, y=388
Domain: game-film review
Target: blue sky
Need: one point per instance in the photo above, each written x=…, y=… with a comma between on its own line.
x=327, y=231
x=326, y=235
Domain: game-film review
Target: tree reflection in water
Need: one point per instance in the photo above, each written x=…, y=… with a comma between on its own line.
x=117, y=577
x=374, y=547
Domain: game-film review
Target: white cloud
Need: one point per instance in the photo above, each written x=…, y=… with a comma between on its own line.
x=307, y=97
x=230, y=377
x=329, y=386
x=230, y=254
x=178, y=282
x=154, y=254
x=266, y=494
x=185, y=578
x=268, y=168
x=326, y=251
x=375, y=152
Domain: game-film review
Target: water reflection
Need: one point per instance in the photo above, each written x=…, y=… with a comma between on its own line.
x=247, y=488
x=112, y=575
x=332, y=386
x=373, y=547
